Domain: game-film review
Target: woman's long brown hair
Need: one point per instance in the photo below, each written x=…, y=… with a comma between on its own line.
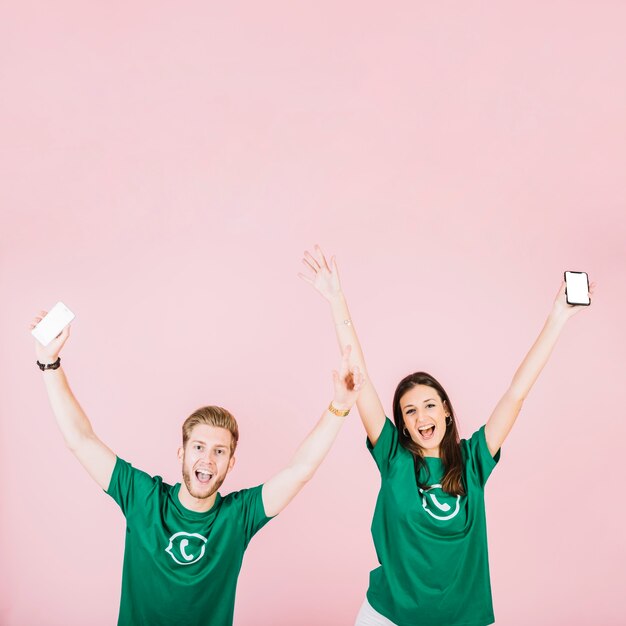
x=450, y=448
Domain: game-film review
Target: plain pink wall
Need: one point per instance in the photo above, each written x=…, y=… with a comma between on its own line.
x=163, y=166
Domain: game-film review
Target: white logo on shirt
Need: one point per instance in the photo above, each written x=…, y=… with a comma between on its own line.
x=186, y=548
x=439, y=507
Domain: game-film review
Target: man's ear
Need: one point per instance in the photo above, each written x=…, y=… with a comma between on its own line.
x=231, y=463
x=181, y=454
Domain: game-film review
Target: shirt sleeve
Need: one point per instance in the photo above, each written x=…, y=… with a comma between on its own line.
x=480, y=461
x=386, y=447
x=250, y=503
x=130, y=487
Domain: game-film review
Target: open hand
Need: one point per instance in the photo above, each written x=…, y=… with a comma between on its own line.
x=322, y=275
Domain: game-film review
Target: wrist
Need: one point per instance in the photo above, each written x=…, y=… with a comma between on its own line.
x=558, y=317
x=341, y=405
x=47, y=358
x=336, y=299
x=339, y=309
x=46, y=364
x=335, y=410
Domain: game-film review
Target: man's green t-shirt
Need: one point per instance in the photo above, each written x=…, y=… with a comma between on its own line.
x=431, y=546
x=180, y=566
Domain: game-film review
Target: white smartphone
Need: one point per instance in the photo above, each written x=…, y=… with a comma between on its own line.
x=577, y=288
x=51, y=326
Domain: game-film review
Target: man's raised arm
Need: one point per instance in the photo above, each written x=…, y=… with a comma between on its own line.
x=75, y=427
x=283, y=487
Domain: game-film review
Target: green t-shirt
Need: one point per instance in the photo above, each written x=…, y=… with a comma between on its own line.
x=180, y=566
x=431, y=546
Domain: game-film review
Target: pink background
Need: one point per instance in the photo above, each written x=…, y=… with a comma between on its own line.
x=163, y=168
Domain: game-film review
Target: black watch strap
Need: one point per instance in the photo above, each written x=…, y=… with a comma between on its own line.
x=50, y=366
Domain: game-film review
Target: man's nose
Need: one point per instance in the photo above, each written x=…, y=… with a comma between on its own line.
x=205, y=456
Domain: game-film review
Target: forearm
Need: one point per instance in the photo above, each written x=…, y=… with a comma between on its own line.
x=282, y=488
x=368, y=403
x=326, y=281
x=71, y=419
x=537, y=357
x=345, y=330
x=315, y=447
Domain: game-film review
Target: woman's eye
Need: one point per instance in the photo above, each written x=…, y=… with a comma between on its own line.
x=410, y=411
x=430, y=406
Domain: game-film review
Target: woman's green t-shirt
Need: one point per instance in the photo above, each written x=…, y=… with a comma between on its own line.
x=431, y=546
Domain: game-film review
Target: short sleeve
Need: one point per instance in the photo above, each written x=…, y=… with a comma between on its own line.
x=130, y=487
x=479, y=460
x=386, y=447
x=250, y=504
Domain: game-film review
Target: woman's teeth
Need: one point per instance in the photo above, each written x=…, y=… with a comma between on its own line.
x=426, y=432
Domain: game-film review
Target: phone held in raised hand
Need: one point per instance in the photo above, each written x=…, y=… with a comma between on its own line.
x=577, y=288
x=52, y=324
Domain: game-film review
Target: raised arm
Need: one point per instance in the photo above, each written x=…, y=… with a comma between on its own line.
x=75, y=427
x=324, y=277
x=504, y=415
x=281, y=489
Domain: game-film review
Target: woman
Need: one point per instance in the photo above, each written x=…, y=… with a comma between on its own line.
x=429, y=525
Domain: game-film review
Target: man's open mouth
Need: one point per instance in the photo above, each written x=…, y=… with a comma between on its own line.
x=203, y=477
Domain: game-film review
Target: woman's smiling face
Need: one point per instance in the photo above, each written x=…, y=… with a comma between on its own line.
x=424, y=415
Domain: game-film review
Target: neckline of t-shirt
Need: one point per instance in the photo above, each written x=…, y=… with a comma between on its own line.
x=188, y=513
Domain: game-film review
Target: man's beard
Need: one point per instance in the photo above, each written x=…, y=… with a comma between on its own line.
x=200, y=495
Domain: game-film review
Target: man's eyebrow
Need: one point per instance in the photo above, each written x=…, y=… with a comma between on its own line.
x=204, y=443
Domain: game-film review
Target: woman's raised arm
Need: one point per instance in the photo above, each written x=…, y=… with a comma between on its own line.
x=504, y=415
x=324, y=277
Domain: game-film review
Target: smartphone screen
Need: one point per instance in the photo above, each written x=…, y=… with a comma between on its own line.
x=51, y=325
x=577, y=288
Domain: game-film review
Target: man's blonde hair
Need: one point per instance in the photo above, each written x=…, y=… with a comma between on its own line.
x=212, y=416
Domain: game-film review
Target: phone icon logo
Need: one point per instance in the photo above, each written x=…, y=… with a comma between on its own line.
x=436, y=507
x=186, y=548
x=183, y=544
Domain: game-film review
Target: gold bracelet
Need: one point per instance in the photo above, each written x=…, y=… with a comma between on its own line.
x=332, y=409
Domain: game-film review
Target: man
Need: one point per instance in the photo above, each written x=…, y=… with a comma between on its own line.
x=185, y=543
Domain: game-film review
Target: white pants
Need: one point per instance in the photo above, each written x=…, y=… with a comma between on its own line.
x=368, y=616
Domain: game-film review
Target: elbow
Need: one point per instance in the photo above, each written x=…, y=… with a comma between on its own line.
x=76, y=441
x=72, y=444
x=304, y=473
x=517, y=395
